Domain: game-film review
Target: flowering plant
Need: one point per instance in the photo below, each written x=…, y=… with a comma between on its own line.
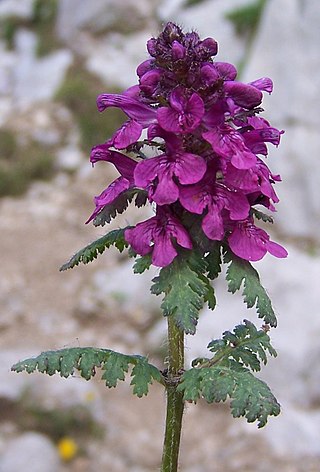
x=193, y=146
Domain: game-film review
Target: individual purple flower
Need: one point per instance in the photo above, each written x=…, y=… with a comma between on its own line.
x=217, y=199
x=165, y=171
x=252, y=243
x=229, y=144
x=159, y=235
x=184, y=113
x=258, y=179
x=124, y=165
x=143, y=114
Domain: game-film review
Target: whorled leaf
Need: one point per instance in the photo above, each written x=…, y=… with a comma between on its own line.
x=85, y=360
x=90, y=252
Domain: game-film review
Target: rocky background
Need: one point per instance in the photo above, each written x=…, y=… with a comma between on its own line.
x=55, y=57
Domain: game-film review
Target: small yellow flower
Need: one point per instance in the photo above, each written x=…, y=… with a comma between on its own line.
x=67, y=448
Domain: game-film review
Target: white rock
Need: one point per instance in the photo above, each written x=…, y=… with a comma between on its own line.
x=294, y=69
x=36, y=79
x=208, y=18
x=69, y=158
x=74, y=15
x=17, y=8
x=31, y=450
x=116, y=57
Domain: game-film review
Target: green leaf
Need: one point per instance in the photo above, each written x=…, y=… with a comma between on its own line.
x=213, y=260
x=184, y=288
x=142, y=375
x=115, y=368
x=65, y=361
x=119, y=205
x=190, y=385
x=262, y=216
x=110, y=211
x=141, y=264
x=86, y=359
x=240, y=271
x=250, y=396
x=246, y=345
x=90, y=252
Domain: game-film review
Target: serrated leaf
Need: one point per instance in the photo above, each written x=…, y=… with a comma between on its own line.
x=241, y=272
x=65, y=361
x=142, y=375
x=190, y=385
x=262, y=216
x=142, y=264
x=110, y=211
x=250, y=396
x=119, y=205
x=213, y=259
x=115, y=368
x=91, y=252
x=246, y=345
x=86, y=359
x=184, y=289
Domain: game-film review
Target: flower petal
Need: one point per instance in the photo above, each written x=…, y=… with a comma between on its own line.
x=189, y=168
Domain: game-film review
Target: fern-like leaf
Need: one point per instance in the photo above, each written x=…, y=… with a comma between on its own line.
x=250, y=397
x=87, y=359
x=185, y=290
x=246, y=345
x=91, y=252
x=241, y=272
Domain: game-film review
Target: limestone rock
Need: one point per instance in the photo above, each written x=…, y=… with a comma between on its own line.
x=30, y=450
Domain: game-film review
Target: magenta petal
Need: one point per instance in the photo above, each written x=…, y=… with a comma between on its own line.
x=226, y=71
x=212, y=224
x=276, y=249
x=136, y=110
x=146, y=171
x=209, y=74
x=181, y=235
x=128, y=134
x=194, y=198
x=189, y=168
x=265, y=84
x=246, y=245
x=169, y=119
x=163, y=251
x=243, y=95
x=141, y=236
x=167, y=191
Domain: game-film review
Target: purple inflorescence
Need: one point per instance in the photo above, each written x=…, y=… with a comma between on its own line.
x=210, y=142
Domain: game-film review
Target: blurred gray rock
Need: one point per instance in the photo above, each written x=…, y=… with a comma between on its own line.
x=30, y=451
x=16, y=8
x=74, y=16
x=294, y=68
x=36, y=79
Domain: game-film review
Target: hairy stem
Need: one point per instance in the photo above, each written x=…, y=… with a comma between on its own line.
x=175, y=405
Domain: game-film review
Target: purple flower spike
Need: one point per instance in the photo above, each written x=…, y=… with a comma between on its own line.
x=208, y=144
x=161, y=230
x=252, y=243
x=184, y=114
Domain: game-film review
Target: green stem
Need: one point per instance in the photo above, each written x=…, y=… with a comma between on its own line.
x=175, y=404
